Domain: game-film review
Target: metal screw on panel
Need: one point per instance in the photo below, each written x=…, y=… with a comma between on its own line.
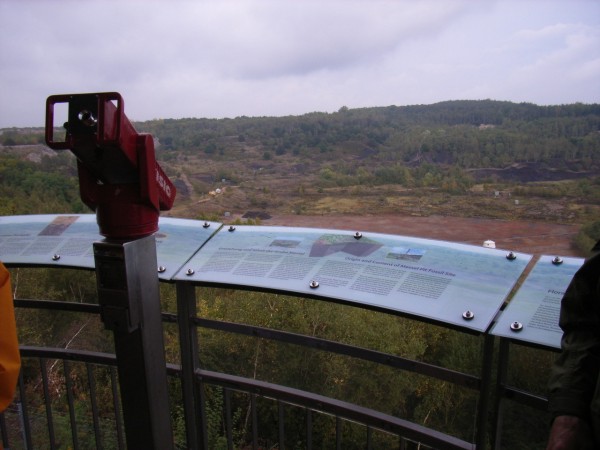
x=161, y=269
x=189, y=272
x=511, y=256
x=357, y=235
x=468, y=315
x=557, y=261
x=314, y=284
x=516, y=326
x=206, y=225
x=55, y=257
x=231, y=228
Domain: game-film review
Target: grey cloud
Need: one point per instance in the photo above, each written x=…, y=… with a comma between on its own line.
x=276, y=57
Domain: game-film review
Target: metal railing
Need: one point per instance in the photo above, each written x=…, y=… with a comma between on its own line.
x=96, y=421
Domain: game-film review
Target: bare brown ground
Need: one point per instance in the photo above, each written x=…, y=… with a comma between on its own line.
x=537, y=238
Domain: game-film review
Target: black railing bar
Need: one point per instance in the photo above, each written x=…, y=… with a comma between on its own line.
x=41, y=265
x=70, y=400
x=117, y=407
x=309, y=429
x=193, y=409
x=92, y=384
x=86, y=356
x=47, y=403
x=281, y=423
x=338, y=433
x=254, y=421
x=90, y=308
x=340, y=301
x=483, y=404
x=228, y=419
x=57, y=305
x=538, y=402
x=174, y=370
x=23, y=413
x=201, y=416
x=346, y=410
x=501, y=377
x=441, y=373
x=169, y=317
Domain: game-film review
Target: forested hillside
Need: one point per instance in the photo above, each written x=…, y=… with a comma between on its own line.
x=449, y=158
x=466, y=134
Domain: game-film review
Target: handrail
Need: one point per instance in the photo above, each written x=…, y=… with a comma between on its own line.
x=430, y=370
x=391, y=424
x=370, y=418
x=193, y=379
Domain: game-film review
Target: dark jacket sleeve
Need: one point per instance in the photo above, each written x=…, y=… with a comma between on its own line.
x=574, y=378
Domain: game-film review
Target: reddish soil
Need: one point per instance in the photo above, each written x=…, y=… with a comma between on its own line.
x=537, y=238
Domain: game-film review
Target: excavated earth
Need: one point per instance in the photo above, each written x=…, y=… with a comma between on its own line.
x=537, y=238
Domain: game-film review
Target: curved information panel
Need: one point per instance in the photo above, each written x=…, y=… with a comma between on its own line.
x=532, y=315
x=66, y=240
x=447, y=282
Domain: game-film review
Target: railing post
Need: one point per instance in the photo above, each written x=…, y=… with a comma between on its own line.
x=193, y=408
x=129, y=300
x=485, y=391
x=499, y=395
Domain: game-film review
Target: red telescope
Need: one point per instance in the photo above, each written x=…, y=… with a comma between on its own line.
x=119, y=177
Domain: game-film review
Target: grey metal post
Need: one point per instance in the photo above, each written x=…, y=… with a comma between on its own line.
x=485, y=391
x=502, y=374
x=128, y=294
x=193, y=408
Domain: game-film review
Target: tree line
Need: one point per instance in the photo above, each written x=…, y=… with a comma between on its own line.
x=464, y=133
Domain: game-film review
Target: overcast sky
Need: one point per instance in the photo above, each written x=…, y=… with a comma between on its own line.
x=228, y=58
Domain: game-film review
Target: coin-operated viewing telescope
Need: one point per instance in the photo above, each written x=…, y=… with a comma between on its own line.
x=119, y=177
x=120, y=180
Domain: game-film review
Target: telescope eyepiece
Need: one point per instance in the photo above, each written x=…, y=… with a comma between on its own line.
x=87, y=118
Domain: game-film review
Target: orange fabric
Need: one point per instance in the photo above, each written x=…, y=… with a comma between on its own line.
x=10, y=361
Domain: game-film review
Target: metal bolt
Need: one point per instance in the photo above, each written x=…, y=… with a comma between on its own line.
x=516, y=326
x=87, y=118
x=189, y=272
x=557, y=261
x=511, y=256
x=468, y=315
x=161, y=269
x=206, y=225
x=56, y=257
x=357, y=235
x=314, y=284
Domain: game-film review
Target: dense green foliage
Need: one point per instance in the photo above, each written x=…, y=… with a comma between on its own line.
x=588, y=236
x=19, y=136
x=446, y=145
x=48, y=187
x=466, y=134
